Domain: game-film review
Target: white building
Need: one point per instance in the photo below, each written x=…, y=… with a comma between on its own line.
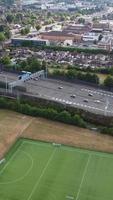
x=90, y=37
x=105, y=43
x=68, y=42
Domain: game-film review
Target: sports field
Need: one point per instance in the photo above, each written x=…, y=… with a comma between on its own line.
x=41, y=171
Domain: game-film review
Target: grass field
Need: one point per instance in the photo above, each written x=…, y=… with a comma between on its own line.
x=40, y=171
x=14, y=125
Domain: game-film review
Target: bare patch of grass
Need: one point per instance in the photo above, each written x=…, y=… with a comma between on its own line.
x=14, y=125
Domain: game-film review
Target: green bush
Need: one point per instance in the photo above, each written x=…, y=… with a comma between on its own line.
x=49, y=113
x=107, y=130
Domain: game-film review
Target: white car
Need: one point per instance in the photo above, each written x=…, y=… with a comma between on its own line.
x=97, y=101
x=90, y=94
x=60, y=87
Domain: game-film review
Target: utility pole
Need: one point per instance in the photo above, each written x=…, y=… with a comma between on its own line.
x=46, y=72
x=6, y=82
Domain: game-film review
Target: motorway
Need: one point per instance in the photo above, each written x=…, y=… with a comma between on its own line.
x=82, y=96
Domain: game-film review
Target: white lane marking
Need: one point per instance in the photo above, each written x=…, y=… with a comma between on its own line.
x=98, y=92
x=63, y=100
x=85, y=171
x=81, y=105
x=38, y=181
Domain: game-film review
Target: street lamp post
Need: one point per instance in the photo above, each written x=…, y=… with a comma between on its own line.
x=6, y=83
x=106, y=107
x=46, y=72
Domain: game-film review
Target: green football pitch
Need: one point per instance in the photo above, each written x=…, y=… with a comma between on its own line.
x=42, y=171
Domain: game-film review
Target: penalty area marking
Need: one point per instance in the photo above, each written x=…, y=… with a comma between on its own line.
x=26, y=174
x=43, y=171
x=10, y=159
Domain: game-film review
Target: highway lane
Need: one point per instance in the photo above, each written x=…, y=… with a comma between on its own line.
x=85, y=97
x=8, y=76
x=100, y=101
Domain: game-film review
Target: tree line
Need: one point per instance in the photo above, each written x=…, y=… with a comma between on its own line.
x=90, y=77
x=73, y=74
x=49, y=113
x=32, y=64
x=70, y=49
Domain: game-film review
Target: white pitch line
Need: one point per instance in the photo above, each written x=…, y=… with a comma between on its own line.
x=11, y=158
x=26, y=173
x=37, y=183
x=85, y=171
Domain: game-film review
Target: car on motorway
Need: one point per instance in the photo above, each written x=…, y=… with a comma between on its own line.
x=73, y=96
x=97, y=101
x=90, y=94
x=85, y=100
x=60, y=87
x=35, y=79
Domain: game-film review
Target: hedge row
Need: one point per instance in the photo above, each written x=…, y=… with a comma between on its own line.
x=107, y=130
x=49, y=113
x=71, y=49
x=60, y=48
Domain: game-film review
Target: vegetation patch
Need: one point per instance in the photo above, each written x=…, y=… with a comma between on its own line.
x=42, y=170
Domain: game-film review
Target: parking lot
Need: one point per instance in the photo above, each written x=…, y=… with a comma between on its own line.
x=76, y=95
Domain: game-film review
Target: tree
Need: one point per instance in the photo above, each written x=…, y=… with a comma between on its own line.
x=44, y=65
x=10, y=18
x=81, y=20
x=5, y=30
x=111, y=71
x=108, y=82
x=95, y=19
x=6, y=60
x=71, y=73
x=64, y=116
x=7, y=34
x=2, y=38
x=25, y=31
x=18, y=17
x=107, y=130
x=77, y=120
x=100, y=37
x=49, y=14
x=38, y=27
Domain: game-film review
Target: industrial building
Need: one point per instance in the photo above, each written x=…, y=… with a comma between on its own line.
x=30, y=41
x=60, y=36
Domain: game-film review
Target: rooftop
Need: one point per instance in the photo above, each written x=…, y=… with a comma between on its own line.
x=58, y=33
